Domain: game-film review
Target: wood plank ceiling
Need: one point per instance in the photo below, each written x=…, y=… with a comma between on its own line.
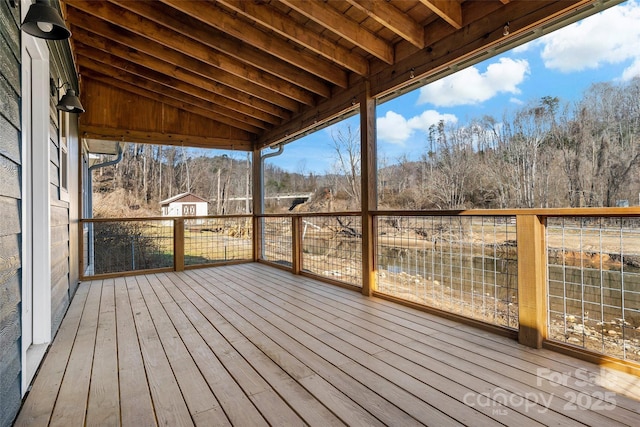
x=247, y=73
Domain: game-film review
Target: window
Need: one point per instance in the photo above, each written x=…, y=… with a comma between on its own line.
x=188, y=210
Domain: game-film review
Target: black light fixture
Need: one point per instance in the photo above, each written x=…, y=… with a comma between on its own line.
x=69, y=103
x=44, y=21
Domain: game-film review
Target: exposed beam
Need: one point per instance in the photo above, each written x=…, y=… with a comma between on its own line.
x=225, y=116
x=272, y=19
x=168, y=18
x=393, y=19
x=221, y=95
x=339, y=24
x=155, y=96
x=254, y=36
x=175, y=40
x=102, y=132
x=226, y=107
x=449, y=10
x=104, y=33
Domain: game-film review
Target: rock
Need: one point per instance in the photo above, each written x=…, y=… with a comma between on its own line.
x=612, y=332
x=574, y=340
x=570, y=318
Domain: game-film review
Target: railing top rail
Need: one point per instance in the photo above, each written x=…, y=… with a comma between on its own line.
x=305, y=214
x=546, y=212
x=164, y=218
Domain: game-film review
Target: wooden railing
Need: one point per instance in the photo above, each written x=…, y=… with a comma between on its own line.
x=567, y=279
x=498, y=269
x=123, y=246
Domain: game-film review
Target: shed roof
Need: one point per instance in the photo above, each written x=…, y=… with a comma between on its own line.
x=183, y=198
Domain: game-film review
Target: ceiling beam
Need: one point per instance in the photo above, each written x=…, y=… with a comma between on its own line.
x=234, y=119
x=167, y=18
x=178, y=41
x=158, y=97
x=339, y=24
x=254, y=36
x=392, y=18
x=230, y=107
x=449, y=10
x=270, y=18
x=103, y=33
x=164, y=138
x=234, y=99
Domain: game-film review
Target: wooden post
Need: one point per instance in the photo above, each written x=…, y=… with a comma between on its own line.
x=256, y=194
x=532, y=280
x=296, y=244
x=178, y=244
x=368, y=187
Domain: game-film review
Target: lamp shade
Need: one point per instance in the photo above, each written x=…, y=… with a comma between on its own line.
x=44, y=21
x=70, y=103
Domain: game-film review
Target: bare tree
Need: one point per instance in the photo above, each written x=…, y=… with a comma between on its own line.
x=346, y=145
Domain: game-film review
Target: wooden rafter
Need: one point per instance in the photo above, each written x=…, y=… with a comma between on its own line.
x=179, y=41
x=220, y=94
x=217, y=41
x=344, y=27
x=280, y=23
x=389, y=16
x=227, y=108
x=103, y=34
x=253, y=36
x=449, y=10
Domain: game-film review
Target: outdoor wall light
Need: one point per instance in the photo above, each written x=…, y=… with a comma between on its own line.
x=69, y=103
x=44, y=21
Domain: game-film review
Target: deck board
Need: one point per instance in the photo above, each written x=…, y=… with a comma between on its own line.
x=254, y=345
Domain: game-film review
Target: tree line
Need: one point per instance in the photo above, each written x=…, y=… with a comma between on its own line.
x=546, y=154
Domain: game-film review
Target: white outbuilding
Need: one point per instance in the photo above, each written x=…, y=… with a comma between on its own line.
x=185, y=204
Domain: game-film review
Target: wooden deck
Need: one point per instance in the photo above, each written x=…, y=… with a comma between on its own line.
x=250, y=345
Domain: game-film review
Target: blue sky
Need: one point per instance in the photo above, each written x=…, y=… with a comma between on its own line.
x=602, y=48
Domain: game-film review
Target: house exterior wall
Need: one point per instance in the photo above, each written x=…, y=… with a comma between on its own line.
x=10, y=202
x=64, y=201
x=63, y=206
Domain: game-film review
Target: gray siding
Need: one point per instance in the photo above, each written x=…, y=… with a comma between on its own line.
x=10, y=257
x=64, y=274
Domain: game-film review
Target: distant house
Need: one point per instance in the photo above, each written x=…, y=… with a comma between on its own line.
x=185, y=204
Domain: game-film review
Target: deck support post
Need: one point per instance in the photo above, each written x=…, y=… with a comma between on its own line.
x=178, y=244
x=256, y=186
x=296, y=244
x=368, y=187
x=532, y=280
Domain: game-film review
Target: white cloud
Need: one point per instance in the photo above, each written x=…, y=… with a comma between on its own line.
x=470, y=86
x=516, y=101
x=429, y=118
x=610, y=37
x=395, y=129
x=632, y=71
